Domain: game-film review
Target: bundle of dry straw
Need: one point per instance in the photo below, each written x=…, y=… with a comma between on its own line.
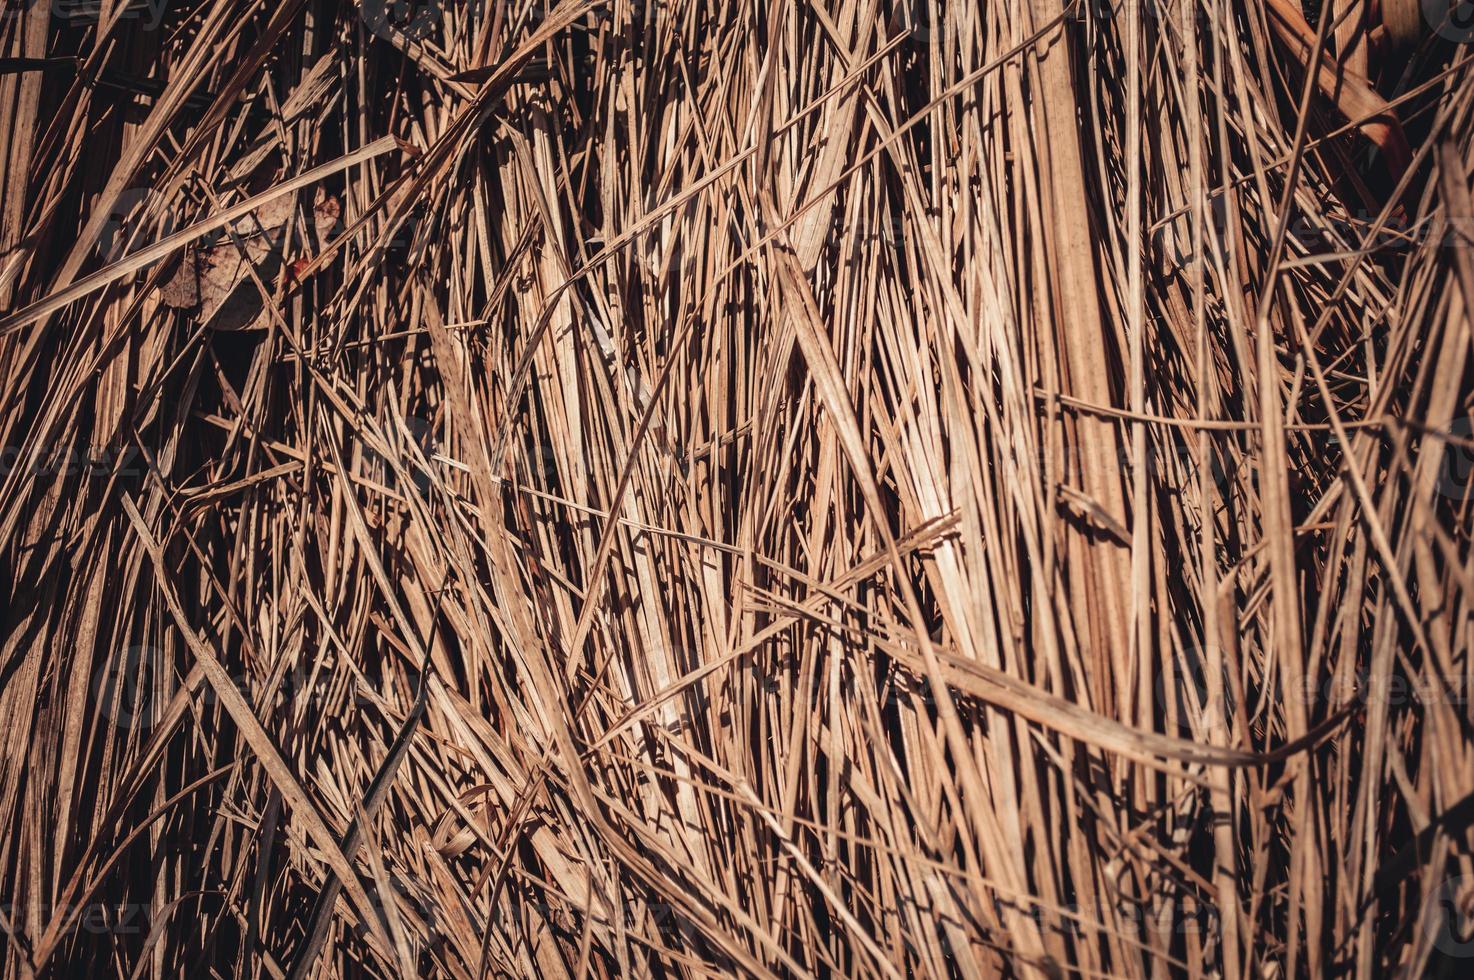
x=683, y=488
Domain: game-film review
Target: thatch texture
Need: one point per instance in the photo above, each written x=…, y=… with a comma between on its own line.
x=693, y=487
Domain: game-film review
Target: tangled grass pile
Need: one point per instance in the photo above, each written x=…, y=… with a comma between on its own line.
x=679, y=488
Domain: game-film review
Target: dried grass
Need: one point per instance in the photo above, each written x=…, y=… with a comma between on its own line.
x=886, y=488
